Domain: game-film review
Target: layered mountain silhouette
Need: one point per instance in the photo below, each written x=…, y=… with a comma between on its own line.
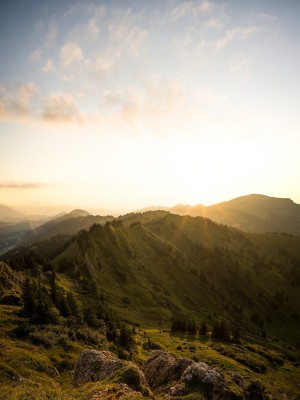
x=28, y=231
x=252, y=213
x=9, y=214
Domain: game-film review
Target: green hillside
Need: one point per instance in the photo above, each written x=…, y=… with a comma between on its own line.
x=155, y=265
x=156, y=271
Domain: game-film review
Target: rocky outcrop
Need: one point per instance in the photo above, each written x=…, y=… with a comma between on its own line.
x=164, y=373
x=130, y=374
x=213, y=382
x=93, y=365
x=163, y=367
x=202, y=373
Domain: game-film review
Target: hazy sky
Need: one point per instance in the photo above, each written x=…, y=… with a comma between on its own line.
x=123, y=104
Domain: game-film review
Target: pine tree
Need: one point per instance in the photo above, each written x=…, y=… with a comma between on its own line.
x=53, y=292
x=27, y=298
x=90, y=316
x=220, y=331
x=126, y=339
x=63, y=305
x=192, y=329
x=75, y=311
x=203, y=328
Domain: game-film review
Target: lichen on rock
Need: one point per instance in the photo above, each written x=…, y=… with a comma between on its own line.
x=93, y=365
x=163, y=367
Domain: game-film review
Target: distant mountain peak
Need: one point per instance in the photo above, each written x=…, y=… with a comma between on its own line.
x=8, y=214
x=78, y=213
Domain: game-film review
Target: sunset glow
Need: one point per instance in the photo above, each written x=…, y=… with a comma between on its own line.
x=125, y=104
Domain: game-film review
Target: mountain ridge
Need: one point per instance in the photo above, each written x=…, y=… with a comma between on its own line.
x=153, y=265
x=251, y=213
x=254, y=213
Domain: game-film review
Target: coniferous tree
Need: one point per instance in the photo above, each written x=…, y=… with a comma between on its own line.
x=220, y=331
x=63, y=305
x=90, y=316
x=126, y=339
x=28, y=298
x=203, y=328
x=75, y=311
x=111, y=328
x=192, y=329
x=54, y=291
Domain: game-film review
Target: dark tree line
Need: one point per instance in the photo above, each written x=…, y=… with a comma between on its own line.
x=220, y=330
x=43, y=306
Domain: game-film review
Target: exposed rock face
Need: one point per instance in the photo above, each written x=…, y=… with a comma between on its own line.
x=202, y=373
x=216, y=385
x=162, y=367
x=164, y=372
x=130, y=374
x=93, y=365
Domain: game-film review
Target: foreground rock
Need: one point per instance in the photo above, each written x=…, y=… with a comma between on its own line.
x=178, y=377
x=202, y=373
x=163, y=367
x=93, y=365
x=164, y=373
x=212, y=382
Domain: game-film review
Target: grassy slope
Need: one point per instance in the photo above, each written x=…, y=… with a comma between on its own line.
x=40, y=372
x=171, y=264
x=163, y=266
x=281, y=376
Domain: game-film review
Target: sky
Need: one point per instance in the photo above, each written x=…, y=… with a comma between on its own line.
x=120, y=105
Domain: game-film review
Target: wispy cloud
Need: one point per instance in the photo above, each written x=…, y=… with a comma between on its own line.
x=240, y=66
x=93, y=28
x=17, y=101
x=35, y=56
x=21, y=185
x=238, y=33
x=25, y=95
x=158, y=99
x=16, y=105
x=60, y=107
x=70, y=53
x=213, y=23
x=4, y=111
x=267, y=17
x=191, y=9
x=105, y=64
x=49, y=66
x=127, y=37
x=51, y=35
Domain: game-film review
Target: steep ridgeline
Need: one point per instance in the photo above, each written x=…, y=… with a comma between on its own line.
x=68, y=224
x=253, y=213
x=153, y=266
x=22, y=233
